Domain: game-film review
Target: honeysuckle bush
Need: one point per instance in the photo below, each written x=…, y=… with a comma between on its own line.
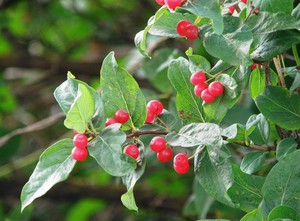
x=253, y=167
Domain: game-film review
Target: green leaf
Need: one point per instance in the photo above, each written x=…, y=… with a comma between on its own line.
x=196, y=134
x=55, y=165
x=276, y=6
x=140, y=41
x=210, y=9
x=245, y=190
x=107, y=151
x=282, y=184
x=131, y=179
x=213, y=171
x=257, y=82
x=285, y=147
x=233, y=45
x=260, y=133
x=296, y=11
x=255, y=215
x=235, y=132
x=186, y=101
x=282, y=213
x=121, y=91
x=197, y=62
x=269, y=45
x=279, y=106
x=252, y=162
x=81, y=111
x=265, y=23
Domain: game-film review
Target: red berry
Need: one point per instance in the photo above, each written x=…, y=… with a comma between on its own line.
x=181, y=26
x=165, y=155
x=182, y=170
x=199, y=88
x=191, y=32
x=122, y=116
x=198, y=78
x=207, y=97
x=160, y=2
x=181, y=160
x=216, y=88
x=110, y=121
x=157, y=144
x=79, y=154
x=253, y=66
x=150, y=117
x=155, y=107
x=80, y=141
x=132, y=150
x=231, y=9
x=244, y=1
x=172, y=4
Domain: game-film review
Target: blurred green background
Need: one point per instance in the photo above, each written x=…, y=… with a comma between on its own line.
x=40, y=40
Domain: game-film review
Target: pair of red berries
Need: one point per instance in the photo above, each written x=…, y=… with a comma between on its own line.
x=163, y=153
x=171, y=4
x=186, y=29
x=181, y=163
x=208, y=93
x=132, y=151
x=154, y=108
x=80, y=152
x=121, y=116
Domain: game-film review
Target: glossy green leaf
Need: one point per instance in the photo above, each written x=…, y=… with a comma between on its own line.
x=129, y=201
x=233, y=45
x=296, y=11
x=107, y=151
x=213, y=171
x=186, y=101
x=121, y=91
x=55, y=165
x=282, y=184
x=260, y=134
x=254, y=215
x=285, y=147
x=196, y=134
x=283, y=213
x=275, y=6
x=235, y=132
x=245, y=191
x=81, y=111
x=257, y=82
x=210, y=9
x=252, y=162
x=197, y=62
x=279, y=106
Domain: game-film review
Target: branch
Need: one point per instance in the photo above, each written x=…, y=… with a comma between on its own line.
x=139, y=133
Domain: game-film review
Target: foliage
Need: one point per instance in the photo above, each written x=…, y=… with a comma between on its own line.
x=251, y=167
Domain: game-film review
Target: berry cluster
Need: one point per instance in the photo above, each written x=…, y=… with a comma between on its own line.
x=181, y=163
x=121, y=116
x=208, y=93
x=80, y=152
x=171, y=4
x=163, y=153
x=154, y=108
x=132, y=150
x=186, y=29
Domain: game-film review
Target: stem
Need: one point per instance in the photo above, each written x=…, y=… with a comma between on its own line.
x=139, y=133
x=253, y=146
x=197, y=152
x=296, y=56
x=277, y=63
x=163, y=123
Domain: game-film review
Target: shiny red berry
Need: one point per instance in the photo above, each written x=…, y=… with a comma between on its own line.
x=80, y=141
x=231, y=9
x=79, y=154
x=160, y=2
x=191, y=32
x=181, y=26
x=216, y=88
x=157, y=144
x=253, y=66
x=198, y=78
x=207, y=97
x=155, y=107
x=181, y=163
x=199, y=88
x=132, y=150
x=172, y=4
x=182, y=170
x=122, y=116
x=165, y=155
x=110, y=121
x=150, y=117
x=244, y=1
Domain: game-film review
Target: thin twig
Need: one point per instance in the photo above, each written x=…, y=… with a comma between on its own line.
x=139, y=133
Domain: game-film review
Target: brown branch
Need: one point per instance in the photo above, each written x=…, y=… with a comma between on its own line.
x=139, y=133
